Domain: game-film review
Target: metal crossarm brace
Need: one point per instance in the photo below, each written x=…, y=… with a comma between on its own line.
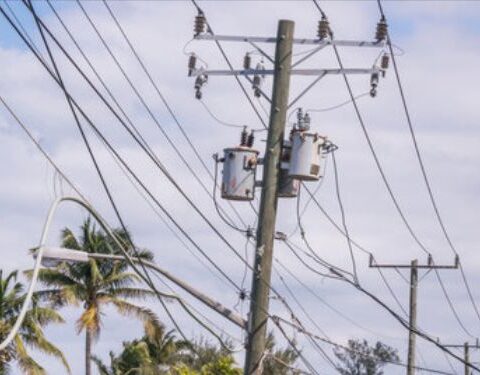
x=429, y=265
x=259, y=39
x=300, y=72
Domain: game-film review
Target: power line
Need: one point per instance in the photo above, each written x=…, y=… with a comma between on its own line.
x=315, y=337
x=157, y=163
x=147, y=277
x=119, y=107
x=165, y=102
x=380, y=169
x=342, y=212
x=145, y=105
x=55, y=166
x=421, y=163
x=114, y=151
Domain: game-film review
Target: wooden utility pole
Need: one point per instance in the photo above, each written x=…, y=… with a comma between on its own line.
x=467, y=357
x=466, y=353
x=412, y=338
x=413, y=267
x=259, y=304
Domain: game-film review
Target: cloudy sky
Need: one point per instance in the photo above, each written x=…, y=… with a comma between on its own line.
x=438, y=59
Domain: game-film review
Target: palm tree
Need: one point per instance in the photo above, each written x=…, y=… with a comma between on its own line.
x=30, y=333
x=279, y=361
x=150, y=355
x=97, y=284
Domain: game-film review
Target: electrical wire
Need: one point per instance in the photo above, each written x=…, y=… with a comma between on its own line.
x=113, y=150
x=147, y=107
x=422, y=165
x=70, y=183
x=230, y=66
x=159, y=165
x=326, y=109
x=221, y=122
x=146, y=277
x=344, y=221
x=165, y=102
x=193, y=1
x=157, y=213
x=336, y=345
x=118, y=156
x=382, y=172
x=328, y=305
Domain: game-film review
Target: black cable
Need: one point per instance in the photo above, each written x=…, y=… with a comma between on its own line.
x=104, y=140
x=230, y=66
x=337, y=345
x=146, y=277
x=292, y=344
x=85, y=116
x=133, y=127
x=165, y=102
x=294, y=318
x=142, y=100
x=406, y=324
x=344, y=221
x=262, y=121
x=72, y=185
x=380, y=169
x=158, y=164
x=422, y=165
x=450, y=303
x=321, y=300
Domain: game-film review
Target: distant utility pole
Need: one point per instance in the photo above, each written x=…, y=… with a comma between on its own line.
x=413, y=266
x=268, y=202
x=466, y=353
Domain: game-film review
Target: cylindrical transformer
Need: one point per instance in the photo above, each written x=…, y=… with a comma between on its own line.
x=306, y=156
x=288, y=187
x=239, y=167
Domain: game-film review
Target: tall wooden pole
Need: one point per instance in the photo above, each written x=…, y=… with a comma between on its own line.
x=258, y=317
x=413, y=318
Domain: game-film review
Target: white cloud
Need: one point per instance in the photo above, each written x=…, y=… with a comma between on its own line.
x=438, y=72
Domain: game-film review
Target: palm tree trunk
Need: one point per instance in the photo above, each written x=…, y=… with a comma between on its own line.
x=88, y=352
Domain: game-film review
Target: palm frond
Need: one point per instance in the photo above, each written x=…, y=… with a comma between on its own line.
x=102, y=368
x=28, y=365
x=90, y=320
x=151, y=323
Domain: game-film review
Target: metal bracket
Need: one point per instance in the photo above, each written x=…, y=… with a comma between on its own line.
x=429, y=265
x=299, y=72
x=319, y=42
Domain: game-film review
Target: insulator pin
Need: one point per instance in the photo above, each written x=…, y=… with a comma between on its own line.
x=199, y=82
x=385, y=63
x=192, y=63
x=374, y=84
x=200, y=24
x=323, y=31
x=244, y=137
x=257, y=80
x=247, y=61
x=251, y=139
x=382, y=30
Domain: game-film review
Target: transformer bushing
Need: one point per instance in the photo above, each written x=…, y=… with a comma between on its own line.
x=239, y=170
x=306, y=155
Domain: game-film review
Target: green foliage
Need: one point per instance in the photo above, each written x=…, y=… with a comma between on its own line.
x=363, y=359
x=97, y=283
x=277, y=360
x=31, y=332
